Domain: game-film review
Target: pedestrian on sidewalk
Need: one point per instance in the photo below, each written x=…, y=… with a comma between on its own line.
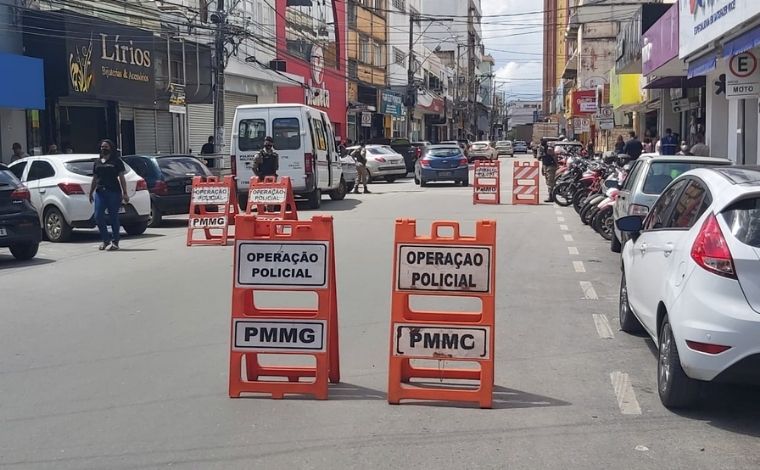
x=267, y=162
x=619, y=145
x=633, y=146
x=700, y=149
x=360, y=156
x=110, y=190
x=668, y=143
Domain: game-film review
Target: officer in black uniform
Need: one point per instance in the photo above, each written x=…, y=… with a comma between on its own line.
x=267, y=162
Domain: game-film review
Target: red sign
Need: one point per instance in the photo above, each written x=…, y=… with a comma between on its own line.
x=584, y=102
x=319, y=60
x=743, y=65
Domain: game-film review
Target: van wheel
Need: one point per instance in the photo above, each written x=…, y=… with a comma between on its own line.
x=314, y=200
x=339, y=193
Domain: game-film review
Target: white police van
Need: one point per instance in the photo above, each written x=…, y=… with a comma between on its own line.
x=303, y=138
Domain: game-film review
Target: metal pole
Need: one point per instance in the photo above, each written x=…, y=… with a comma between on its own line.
x=219, y=88
x=410, y=80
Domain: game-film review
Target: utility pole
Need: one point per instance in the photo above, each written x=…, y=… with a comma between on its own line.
x=411, y=93
x=219, y=59
x=457, y=121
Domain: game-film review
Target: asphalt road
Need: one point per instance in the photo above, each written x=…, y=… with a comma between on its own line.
x=120, y=360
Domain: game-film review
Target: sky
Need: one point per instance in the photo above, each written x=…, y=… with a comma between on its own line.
x=515, y=42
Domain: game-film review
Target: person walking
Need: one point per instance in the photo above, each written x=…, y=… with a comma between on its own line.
x=700, y=149
x=110, y=190
x=619, y=145
x=267, y=161
x=668, y=143
x=633, y=147
x=18, y=152
x=549, y=168
x=360, y=156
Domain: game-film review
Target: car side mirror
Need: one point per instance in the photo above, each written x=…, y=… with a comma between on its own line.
x=632, y=224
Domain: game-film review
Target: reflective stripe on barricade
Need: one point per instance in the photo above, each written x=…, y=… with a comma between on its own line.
x=486, y=188
x=280, y=257
x=272, y=198
x=525, y=183
x=443, y=265
x=213, y=207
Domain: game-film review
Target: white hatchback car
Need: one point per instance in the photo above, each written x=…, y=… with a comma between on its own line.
x=691, y=271
x=59, y=187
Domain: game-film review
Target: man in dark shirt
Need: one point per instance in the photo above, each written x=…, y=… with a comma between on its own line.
x=267, y=162
x=208, y=148
x=633, y=147
x=668, y=143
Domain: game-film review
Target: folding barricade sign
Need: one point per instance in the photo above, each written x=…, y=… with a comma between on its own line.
x=213, y=207
x=487, y=185
x=525, y=183
x=272, y=198
x=439, y=265
x=283, y=256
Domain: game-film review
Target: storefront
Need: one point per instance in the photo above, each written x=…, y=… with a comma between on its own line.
x=432, y=117
x=719, y=41
x=21, y=96
x=320, y=59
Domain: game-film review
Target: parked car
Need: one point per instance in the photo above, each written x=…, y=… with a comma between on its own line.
x=350, y=174
x=19, y=223
x=400, y=145
x=59, y=186
x=647, y=178
x=520, y=146
x=690, y=277
x=416, y=151
x=303, y=138
x=504, y=147
x=442, y=163
x=482, y=151
x=383, y=162
x=170, y=180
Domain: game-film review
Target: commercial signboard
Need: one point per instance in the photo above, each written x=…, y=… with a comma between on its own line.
x=660, y=42
x=391, y=103
x=703, y=21
x=584, y=102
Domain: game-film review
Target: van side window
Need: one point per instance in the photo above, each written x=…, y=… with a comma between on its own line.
x=251, y=133
x=286, y=133
x=319, y=131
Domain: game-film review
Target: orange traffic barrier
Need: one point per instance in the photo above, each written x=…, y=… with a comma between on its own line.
x=443, y=265
x=272, y=198
x=213, y=207
x=525, y=183
x=282, y=257
x=486, y=188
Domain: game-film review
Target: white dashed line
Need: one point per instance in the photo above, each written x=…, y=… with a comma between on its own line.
x=624, y=393
x=560, y=219
x=571, y=250
x=603, y=326
x=568, y=238
x=588, y=291
x=558, y=212
x=564, y=228
x=579, y=267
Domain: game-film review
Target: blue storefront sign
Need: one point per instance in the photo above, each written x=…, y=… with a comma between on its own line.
x=391, y=103
x=23, y=82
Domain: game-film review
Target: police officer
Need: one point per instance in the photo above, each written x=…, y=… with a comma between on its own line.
x=549, y=164
x=267, y=162
x=360, y=156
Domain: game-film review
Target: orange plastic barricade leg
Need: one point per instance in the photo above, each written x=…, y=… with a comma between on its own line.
x=213, y=206
x=452, y=266
x=272, y=198
x=486, y=188
x=277, y=257
x=525, y=183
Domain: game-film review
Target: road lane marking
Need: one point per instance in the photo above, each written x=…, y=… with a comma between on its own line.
x=558, y=212
x=603, y=326
x=571, y=250
x=578, y=266
x=568, y=238
x=560, y=219
x=588, y=291
x=563, y=228
x=624, y=393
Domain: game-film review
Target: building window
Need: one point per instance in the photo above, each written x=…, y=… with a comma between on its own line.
x=365, y=55
x=352, y=14
x=353, y=69
x=398, y=56
x=399, y=5
x=379, y=62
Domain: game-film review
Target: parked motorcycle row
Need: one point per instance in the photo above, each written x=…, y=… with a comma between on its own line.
x=591, y=186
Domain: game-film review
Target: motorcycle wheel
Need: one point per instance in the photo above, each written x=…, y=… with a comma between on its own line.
x=590, y=214
x=578, y=198
x=585, y=208
x=603, y=223
x=563, y=194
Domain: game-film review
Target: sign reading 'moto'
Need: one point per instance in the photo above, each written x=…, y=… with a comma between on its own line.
x=444, y=268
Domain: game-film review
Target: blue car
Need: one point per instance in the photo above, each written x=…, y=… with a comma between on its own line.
x=520, y=146
x=442, y=163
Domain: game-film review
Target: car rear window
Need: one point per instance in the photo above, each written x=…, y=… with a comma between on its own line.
x=479, y=146
x=379, y=151
x=744, y=219
x=660, y=175
x=286, y=133
x=445, y=152
x=8, y=179
x=80, y=167
x=181, y=166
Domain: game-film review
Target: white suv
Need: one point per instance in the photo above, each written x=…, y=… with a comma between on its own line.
x=59, y=187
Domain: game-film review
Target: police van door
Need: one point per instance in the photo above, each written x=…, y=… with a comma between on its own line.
x=335, y=168
x=321, y=150
x=286, y=125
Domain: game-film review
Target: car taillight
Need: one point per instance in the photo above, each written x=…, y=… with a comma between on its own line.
x=707, y=348
x=141, y=185
x=638, y=209
x=425, y=162
x=463, y=161
x=308, y=163
x=160, y=188
x=21, y=194
x=710, y=250
x=71, y=188
x=233, y=165
x=380, y=159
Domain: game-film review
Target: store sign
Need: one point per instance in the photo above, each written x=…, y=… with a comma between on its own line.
x=704, y=21
x=177, y=100
x=391, y=103
x=316, y=95
x=743, y=78
x=584, y=102
x=109, y=61
x=660, y=43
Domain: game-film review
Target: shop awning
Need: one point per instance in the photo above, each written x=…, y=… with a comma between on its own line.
x=23, y=82
x=663, y=83
x=743, y=43
x=702, y=66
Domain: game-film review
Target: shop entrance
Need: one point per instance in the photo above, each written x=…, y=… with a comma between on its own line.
x=82, y=128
